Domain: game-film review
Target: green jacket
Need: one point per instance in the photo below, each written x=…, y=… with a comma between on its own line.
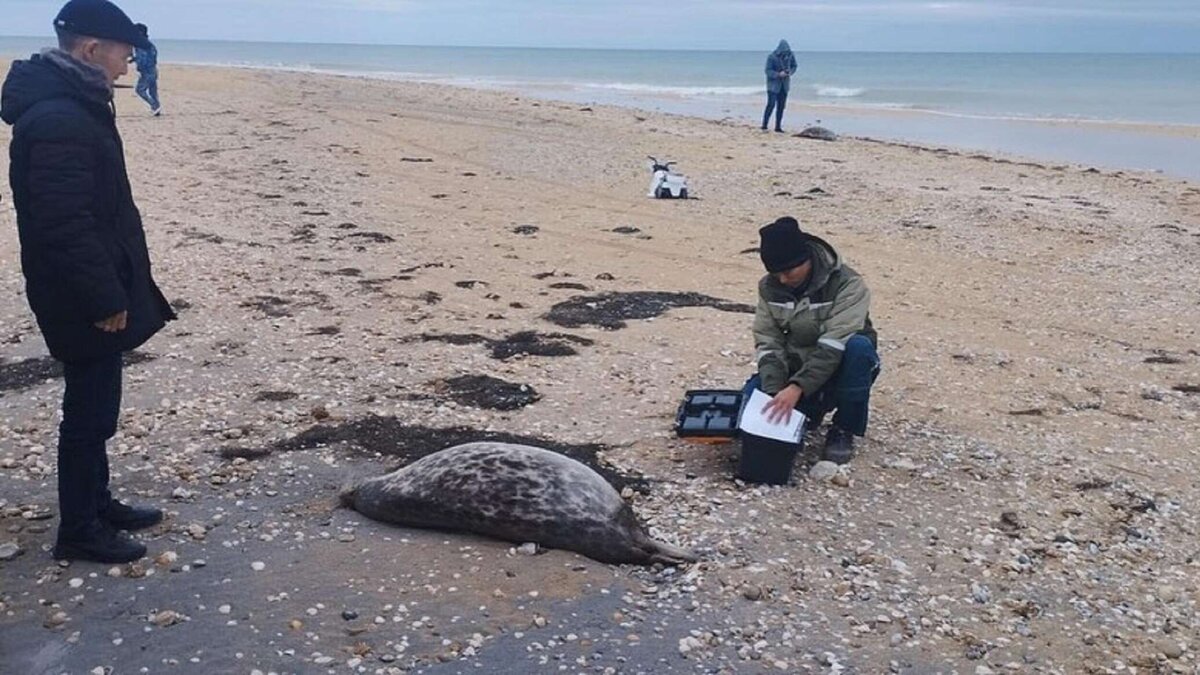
x=801, y=340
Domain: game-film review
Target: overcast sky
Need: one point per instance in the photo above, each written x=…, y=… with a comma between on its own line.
x=878, y=25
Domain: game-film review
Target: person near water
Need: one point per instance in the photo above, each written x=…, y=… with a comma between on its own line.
x=146, y=59
x=84, y=258
x=781, y=65
x=812, y=330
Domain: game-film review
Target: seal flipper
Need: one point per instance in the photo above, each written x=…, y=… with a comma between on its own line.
x=669, y=554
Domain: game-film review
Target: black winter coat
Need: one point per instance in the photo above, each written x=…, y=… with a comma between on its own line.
x=83, y=250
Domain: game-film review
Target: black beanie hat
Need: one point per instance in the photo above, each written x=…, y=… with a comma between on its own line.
x=99, y=19
x=783, y=246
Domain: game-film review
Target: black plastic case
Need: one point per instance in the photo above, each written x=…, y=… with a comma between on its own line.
x=709, y=413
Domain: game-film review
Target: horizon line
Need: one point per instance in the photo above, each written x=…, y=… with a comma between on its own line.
x=638, y=49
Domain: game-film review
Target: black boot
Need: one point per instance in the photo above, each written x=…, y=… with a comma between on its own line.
x=100, y=544
x=839, y=445
x=130, y=518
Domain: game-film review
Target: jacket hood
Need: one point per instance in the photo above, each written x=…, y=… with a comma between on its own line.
x=51, y=74
x=826, y=261
x=783, y=48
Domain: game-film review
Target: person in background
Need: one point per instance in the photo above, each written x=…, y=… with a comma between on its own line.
x=146, y=59
x=781, y=65
x=84, y=258
x=812, y=330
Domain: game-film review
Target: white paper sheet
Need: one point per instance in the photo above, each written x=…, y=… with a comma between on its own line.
x=754, y=421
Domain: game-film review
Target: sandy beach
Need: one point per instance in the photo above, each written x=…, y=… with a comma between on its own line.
x=343, y=251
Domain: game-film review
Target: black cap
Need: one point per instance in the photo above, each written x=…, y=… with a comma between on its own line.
x=783, y=246
x=99, y=19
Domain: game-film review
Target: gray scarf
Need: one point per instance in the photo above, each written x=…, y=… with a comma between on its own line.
x=94, y=79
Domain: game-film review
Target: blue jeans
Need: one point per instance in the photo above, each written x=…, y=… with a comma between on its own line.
x=147, y=88
x=776, y=101
x=848, y=390
x=91, y=406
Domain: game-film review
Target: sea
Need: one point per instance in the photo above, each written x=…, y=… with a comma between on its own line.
x=1117, y=111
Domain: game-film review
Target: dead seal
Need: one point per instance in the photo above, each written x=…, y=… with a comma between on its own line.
x=818, y=133
x=514, y=492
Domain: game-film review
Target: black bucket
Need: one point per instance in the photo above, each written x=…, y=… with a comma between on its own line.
x=766, y=460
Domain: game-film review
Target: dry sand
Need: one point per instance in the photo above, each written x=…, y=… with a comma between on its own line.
x=1026, y=500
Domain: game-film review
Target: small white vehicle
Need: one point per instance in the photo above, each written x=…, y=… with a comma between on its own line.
x=665, y=183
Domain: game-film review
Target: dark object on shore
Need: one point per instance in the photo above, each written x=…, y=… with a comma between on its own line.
x=709, y=414
x=817, y=134
x=612, y=310
x=712, y=416
x=34, y=371
x=390, y=437
x=524, y=343
x=489, y=393
x=275, y=396
x=766, y=460
x=517, y=493
x=249, y=454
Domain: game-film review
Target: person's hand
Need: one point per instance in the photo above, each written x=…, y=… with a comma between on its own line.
x=114, y=323
x=779, y=409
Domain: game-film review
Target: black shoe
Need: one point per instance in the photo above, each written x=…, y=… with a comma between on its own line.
x=102, y=544
x=778, y=130
x=839, y=446
x=125, y=517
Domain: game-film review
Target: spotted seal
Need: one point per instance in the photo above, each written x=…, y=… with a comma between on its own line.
x=515, y=492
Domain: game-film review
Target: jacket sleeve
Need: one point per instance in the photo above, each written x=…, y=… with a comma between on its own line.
x=62, y=180
x=792, y=67
x=847, y=317
x=772, y=68
x=771, y=355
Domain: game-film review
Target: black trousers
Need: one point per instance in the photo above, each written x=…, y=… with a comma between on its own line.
x=91, y=406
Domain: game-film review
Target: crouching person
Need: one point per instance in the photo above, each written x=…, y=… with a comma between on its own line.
x=812, y=330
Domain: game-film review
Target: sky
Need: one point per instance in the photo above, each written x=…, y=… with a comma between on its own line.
x=810, y=25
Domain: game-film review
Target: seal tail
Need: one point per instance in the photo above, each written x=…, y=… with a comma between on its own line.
x=669, y=554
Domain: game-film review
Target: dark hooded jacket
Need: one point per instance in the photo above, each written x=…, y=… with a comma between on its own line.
x=781, y=59
x=83, y=250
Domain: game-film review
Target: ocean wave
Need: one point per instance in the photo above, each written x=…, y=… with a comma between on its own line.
x=838, y=92
x=637, y=88
x=696, y=95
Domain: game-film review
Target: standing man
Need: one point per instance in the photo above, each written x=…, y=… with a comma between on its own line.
x=812, y=329
x=146, y=59
x=781, y=65
x=83, y=253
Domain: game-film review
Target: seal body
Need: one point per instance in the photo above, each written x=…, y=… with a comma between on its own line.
x=818, y=133
x=514, y=492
